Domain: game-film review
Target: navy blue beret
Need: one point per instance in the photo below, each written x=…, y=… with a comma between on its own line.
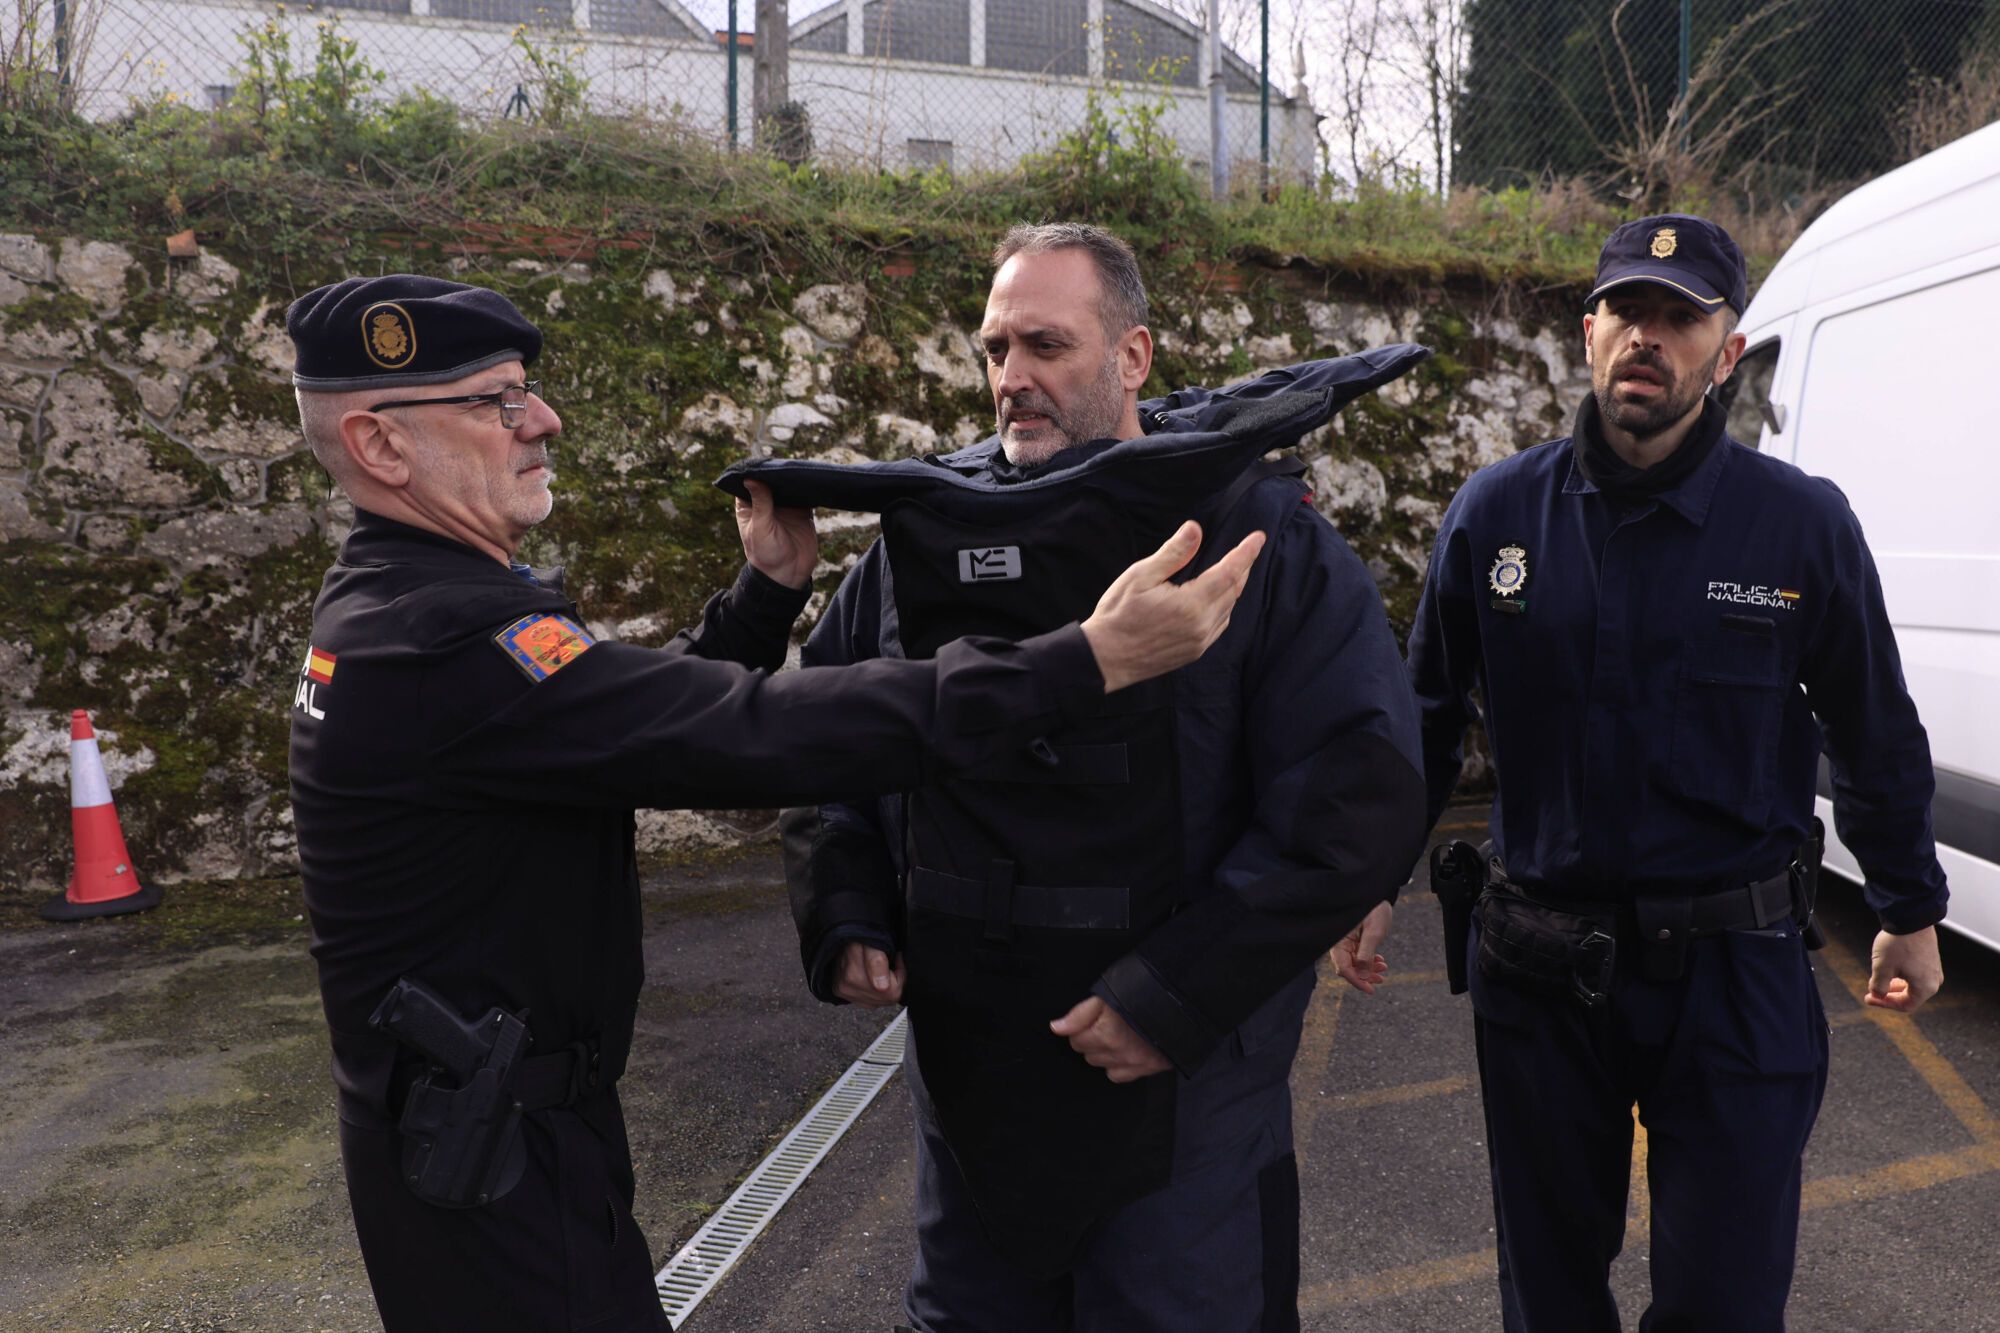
x=1688, y=254
x=403, y=328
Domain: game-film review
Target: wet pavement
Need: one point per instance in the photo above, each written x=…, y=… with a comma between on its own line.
x=167, y=1159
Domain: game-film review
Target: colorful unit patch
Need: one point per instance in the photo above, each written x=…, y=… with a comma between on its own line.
x=542, y=645
x=319, y=665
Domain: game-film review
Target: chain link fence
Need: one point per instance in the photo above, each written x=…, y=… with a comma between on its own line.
x=1759, y=99
x=963, y=84
x=1778, y=100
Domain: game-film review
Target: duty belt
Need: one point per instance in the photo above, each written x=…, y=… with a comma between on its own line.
x=539, y=1082
x=1662, y=926
x=560, y=1078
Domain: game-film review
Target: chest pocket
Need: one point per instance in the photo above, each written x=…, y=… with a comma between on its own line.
x=1727, y=715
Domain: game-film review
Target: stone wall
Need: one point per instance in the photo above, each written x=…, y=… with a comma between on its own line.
x=164, y=529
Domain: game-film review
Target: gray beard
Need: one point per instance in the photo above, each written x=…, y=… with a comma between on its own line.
x=1093, y=416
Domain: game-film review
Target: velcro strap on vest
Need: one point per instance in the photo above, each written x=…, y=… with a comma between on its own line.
x=1084, y=908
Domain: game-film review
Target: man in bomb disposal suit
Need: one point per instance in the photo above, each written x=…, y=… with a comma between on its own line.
x=1105, y=938
x=465, y=761
x=1665, y=627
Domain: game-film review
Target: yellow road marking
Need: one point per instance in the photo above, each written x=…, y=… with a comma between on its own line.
x=1436, y=978
x=1316, y=1042
x=1402, y=1092
x=1896, y=1178
x=1640, y=1222
x=1851, y=1018
x=1931, y=1066
x=1918, y=1173
x=1904, y=1177
x=1325, y=1296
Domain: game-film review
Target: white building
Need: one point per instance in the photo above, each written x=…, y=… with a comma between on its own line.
x=966, y=83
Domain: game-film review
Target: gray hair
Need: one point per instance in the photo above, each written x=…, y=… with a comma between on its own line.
x=319, y=421
x=1123, y=303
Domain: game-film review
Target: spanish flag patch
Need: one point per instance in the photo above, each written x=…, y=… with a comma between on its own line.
x=319, y=665
x=542, y=645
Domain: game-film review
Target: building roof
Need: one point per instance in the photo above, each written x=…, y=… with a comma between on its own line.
x=1142, y=39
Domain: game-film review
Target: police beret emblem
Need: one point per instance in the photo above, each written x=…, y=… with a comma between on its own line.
x=388, y=336
x=1510, y=572
x=1665, y=242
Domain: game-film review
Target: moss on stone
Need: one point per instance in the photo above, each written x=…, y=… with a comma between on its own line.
x=638, y=522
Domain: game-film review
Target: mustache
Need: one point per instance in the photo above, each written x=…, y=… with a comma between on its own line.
x=1028, y=404
x=1646, y=361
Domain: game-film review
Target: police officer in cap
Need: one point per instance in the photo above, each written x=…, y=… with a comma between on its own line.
x=466, y=756
x=1665, y=628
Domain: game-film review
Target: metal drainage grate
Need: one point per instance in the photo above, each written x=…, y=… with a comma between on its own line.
x=712, y=1251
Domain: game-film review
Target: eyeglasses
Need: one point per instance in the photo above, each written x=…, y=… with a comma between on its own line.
x=512, y=402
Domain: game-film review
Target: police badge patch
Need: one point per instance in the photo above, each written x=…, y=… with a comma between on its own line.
x=1510, y=572
x=542, y=645
x=388, y=336
x=1665, y=241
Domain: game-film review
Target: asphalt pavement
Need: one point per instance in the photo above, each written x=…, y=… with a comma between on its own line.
x=1902, y=1176
x=167, y=1160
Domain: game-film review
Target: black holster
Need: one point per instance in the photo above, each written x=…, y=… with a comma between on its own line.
x=1458, y=877
x=461, y=1146
x=461, y=1120
x=1805, y=884
x=1542, y=949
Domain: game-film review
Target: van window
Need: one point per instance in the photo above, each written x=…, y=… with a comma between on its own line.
x=1746, y=394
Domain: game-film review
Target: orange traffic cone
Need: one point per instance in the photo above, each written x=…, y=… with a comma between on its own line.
x=103, y=883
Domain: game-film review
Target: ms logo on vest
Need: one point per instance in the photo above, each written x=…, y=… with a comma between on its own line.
x=989, y=565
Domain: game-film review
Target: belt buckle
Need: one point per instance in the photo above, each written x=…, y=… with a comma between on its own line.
x=1590, y=972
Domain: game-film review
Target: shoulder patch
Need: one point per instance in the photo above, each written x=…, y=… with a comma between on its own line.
x=542, y=645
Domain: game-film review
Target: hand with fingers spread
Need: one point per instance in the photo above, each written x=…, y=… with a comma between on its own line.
x=1355, y=959
x=1907, y=970
x=1100, y=1034
x=779, y=542
x=866, y=977
x=1145, y=626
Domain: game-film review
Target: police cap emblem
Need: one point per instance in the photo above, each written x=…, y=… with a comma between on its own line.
x=388, y=335
x=1510, y=572
x=1665, y=241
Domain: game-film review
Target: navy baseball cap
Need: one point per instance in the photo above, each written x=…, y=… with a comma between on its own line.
x=403, y=328
x=1691, y=255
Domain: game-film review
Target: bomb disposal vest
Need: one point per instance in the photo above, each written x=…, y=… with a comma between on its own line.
x=1025, y=879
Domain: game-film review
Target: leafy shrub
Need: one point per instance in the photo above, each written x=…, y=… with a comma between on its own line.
x=1119, y=165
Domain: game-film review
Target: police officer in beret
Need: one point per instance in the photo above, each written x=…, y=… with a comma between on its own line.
x=1665, y=628
x=466, y=757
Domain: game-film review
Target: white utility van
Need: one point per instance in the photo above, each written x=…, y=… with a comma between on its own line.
x=1873, y=360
